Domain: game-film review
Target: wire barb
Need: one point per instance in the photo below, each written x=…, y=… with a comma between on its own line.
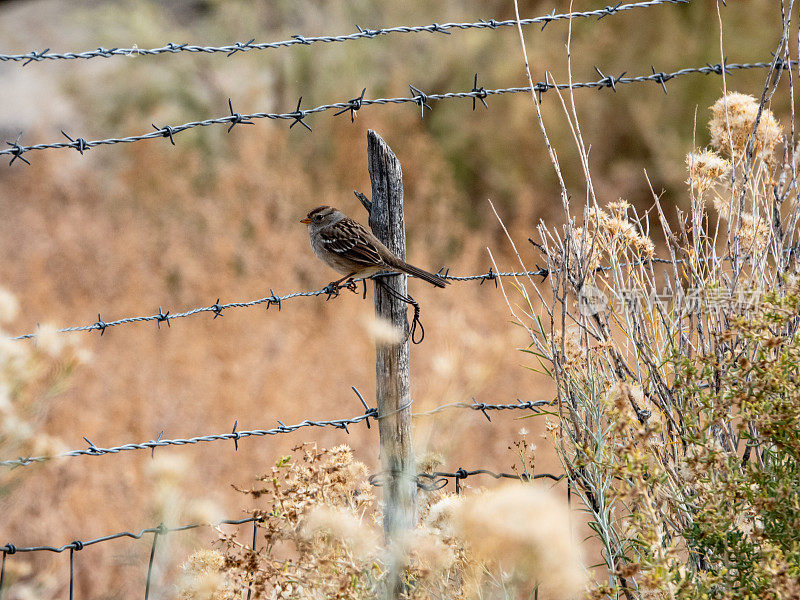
x=420, y=98
x=298, y=116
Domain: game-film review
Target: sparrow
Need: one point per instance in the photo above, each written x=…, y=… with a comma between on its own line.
x=351, y=249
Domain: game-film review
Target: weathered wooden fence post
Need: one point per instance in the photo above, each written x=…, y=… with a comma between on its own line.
x=392, y=361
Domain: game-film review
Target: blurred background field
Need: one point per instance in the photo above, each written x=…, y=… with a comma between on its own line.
x=125, y=229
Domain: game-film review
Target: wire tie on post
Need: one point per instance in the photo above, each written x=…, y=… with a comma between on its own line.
x=460, y=474
x=17, y=151
x=236, y=118
x=394, y=412
x=298, y=116
x=155, y=443
x=80, y=144
x=367, y=409
x=480, y=93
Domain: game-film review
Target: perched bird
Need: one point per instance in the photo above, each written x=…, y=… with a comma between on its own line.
x=349, y=248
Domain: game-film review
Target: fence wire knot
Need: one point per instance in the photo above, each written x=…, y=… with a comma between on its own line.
x=609, y=10
x=480, y=93
x=162, y=316
x=217, y=308
x=298, y=116
x=608, y=80
x=17, y=151
x=100, y=324
x=76, y=545
x=273, y=299
x=36, y=56
x=353, y=105
x=9, y=549
x=421, y=99
x=236, y=118
x=80, y=144
x=167, y=131
x=240, y=47
x=368, y=33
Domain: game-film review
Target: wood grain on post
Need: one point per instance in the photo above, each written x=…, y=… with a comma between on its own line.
x=392, y=364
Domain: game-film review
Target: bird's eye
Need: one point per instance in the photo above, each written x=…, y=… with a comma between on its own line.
x=317, y=217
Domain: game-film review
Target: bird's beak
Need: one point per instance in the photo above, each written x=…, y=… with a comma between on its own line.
x=305, y=221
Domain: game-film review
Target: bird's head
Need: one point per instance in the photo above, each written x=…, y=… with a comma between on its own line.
x=322, y=216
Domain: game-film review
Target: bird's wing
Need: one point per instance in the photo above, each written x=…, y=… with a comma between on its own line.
x=350, y=240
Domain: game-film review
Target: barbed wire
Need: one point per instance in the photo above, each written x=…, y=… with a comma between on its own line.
x=237, y=435
x=439, y=479
x=234, y=435
x=77, y=545
x=272, y=300
x=161, y=530
x=231, y=49
x=352, y=106
x=332, y=291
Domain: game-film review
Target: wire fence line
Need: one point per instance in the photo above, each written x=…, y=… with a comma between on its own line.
x=231, y=49
x=331, y=291
x=272, y=300
x=235, y=435
x=77, y=545
x=352, y=106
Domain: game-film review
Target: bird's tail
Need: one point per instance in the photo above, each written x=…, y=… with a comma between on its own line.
x=417, y=272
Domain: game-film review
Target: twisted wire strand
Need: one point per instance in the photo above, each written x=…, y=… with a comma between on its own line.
x=17, y=150
x=161, y=529
x=235, y=435
x=231, y=49
x=273, y=300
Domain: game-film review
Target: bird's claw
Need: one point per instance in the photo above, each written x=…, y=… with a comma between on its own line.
x=332, y=289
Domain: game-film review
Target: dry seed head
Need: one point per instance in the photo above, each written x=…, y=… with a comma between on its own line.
x=440, y=514
x=524, y=529
x=202, y=577
x=706, y=168
x=737, y=113
x=343, y=526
